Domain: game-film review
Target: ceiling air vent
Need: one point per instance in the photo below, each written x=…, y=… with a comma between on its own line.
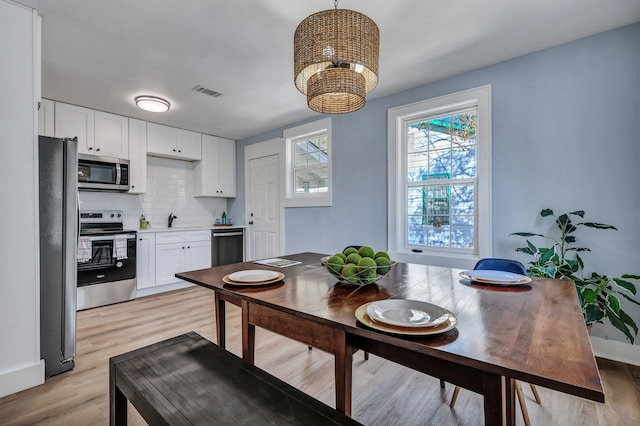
x=206, y=91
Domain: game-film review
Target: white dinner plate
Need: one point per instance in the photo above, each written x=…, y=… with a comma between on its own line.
x=279, y=276
x=407, y=313
x=253, y=276
x=449, y=324
x=486, y=276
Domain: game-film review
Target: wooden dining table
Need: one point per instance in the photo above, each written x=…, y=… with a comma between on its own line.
x=533, y=332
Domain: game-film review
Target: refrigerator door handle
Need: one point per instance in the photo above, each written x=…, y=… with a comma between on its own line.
x=70, y=244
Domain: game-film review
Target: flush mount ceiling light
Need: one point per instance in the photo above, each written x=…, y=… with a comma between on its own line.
x=335, y=59
x=152, y=103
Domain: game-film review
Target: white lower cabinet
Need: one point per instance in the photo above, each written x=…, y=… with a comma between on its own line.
x=179, y=252
x=146, y=260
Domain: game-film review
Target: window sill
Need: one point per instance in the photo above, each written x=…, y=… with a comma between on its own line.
x=449, y=260
x=324, y=201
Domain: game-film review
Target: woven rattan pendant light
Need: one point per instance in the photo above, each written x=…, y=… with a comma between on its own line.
x=335, y=59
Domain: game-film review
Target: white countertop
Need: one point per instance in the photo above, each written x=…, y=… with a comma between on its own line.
x=188, y=228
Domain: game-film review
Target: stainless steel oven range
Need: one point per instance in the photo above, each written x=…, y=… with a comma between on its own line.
x=106, y=259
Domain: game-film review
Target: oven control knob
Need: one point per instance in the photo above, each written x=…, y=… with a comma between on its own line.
x=119, y=215
x=119, y=265
x=112, y=215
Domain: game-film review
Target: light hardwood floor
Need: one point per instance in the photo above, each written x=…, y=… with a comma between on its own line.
x=384, y=393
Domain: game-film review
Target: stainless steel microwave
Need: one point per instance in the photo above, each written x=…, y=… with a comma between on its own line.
x=102, y=173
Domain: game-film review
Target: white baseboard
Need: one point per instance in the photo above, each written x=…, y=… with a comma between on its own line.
x=163, y=288
x=21, y=379
x=616, y=351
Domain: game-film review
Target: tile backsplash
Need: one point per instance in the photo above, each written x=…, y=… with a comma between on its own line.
x=169, y=190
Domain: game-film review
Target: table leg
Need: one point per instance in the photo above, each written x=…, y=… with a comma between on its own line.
x=220, y=319
x=248, y=334
x=499, y=400
x=343, y=371
x=117, y=401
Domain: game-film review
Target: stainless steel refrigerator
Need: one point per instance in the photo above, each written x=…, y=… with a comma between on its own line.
x=58, y=178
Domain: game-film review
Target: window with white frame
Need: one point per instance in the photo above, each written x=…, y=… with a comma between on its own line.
x=439, y=178
x=308, y=164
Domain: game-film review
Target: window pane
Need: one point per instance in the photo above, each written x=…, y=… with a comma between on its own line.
x=301, y=181
x=438, y=234
x=440, y=164
x=418, y=166
x=416, y=230
x=462, y=231
x=464, y=162
x=462, y=199
x=440, y=151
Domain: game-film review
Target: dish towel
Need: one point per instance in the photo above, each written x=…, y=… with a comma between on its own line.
x=120, y=247
x=84, y=249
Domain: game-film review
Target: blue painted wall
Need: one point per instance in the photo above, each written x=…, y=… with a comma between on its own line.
x=566, y=135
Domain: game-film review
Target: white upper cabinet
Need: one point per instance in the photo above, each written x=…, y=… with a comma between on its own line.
x=111, y=135
x=74, y=121
x=46, y=124
x=98, y=133
x=215, y=175
x=137, y=156
x=165, y=141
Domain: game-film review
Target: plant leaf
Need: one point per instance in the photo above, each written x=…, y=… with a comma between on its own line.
x=578, y=213
x=526, y=234
x=614, y=303
x=633, y=277
x=525, y=250
x=588, y=296
x=563, y=220
x=619, y=324
x=546, y=212
x=629, y=321
x=592, y=313
x=629, y=298
x=630, y=287
x=570, y=239
x=598, y=225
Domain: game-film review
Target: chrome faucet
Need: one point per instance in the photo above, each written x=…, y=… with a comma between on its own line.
x=171, y=217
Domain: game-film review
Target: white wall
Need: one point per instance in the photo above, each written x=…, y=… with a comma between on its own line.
x=169, y=190
x=20, y=365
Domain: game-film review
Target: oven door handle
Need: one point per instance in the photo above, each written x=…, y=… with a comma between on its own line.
x=227, y=234
x=110, y=237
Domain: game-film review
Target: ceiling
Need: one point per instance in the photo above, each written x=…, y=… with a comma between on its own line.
x=101, y=54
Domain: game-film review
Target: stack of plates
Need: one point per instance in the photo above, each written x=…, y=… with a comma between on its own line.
x=406, y=317
x=253, y=277
x=486, y=276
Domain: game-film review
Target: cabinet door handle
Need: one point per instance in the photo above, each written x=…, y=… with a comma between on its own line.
x=188, y=247
x=97, y=149
x=90, y=148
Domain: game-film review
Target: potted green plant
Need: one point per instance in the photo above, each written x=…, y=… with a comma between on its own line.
x=599, y=294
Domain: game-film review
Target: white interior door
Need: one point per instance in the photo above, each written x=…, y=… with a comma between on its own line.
x=263, y=207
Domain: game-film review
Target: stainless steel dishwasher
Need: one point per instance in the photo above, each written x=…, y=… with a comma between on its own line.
x=227, y=246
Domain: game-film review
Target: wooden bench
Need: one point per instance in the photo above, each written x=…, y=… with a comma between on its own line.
x=189, y=380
